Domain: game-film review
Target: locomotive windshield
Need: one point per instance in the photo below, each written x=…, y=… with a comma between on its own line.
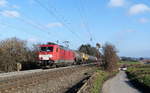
x=48, y=49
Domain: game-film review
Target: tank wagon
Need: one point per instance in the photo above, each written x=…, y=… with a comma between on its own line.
x=52, y=54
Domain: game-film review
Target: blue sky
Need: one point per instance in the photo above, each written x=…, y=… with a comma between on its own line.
x=124, y=23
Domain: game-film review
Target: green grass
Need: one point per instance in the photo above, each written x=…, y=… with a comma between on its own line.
x=128, y=62
x=101, y=76
x=140, y=74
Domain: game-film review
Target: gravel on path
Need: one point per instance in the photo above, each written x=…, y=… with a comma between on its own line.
x=119, y=84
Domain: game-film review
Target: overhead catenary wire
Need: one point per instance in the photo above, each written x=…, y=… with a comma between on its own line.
x=40, y=25
x=84, y=22
x=27, y=22
x=34, y=25
x=18, y=29
x=58, y=18
x=84, y=19
x=82, y=16
x=54, y=9
x=62, y=18
x=40, y=28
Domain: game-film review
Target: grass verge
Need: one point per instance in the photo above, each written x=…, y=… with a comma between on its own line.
x=100, y=77
x=140, y=77
x=128, y=62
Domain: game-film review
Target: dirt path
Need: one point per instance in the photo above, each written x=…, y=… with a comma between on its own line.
x=119, y=84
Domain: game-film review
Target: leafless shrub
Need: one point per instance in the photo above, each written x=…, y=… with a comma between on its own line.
x=13, y=51
x=31, y=57
x=110, y=57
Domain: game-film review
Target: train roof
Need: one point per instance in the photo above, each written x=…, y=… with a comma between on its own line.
x=54, y=44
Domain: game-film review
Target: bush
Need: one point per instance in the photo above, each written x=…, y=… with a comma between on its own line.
x=110, y=57
x=13, y=51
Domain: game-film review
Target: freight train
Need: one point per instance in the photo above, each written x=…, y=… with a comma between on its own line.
x=52, y=54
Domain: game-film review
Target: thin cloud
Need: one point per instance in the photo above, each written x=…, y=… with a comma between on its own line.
x=3, y=3
x=138, y=9
x=143, y=20
x=15, y=6
x=9, y=13
x=116, y=3
x=130, y=30
x=56, y=24
x=6, y=4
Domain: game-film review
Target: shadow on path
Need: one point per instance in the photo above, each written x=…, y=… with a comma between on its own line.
x=138, y=86
x=119, y=84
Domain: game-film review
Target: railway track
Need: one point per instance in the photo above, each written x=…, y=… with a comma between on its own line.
x=24, y=81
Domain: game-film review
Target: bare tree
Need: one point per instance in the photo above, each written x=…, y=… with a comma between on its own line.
x=32, y=58
x=110, y=57
x=12, y=51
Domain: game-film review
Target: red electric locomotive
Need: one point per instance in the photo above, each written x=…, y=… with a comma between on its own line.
x=53, y=54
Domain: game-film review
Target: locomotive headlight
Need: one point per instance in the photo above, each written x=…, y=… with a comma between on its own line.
x=50, y=56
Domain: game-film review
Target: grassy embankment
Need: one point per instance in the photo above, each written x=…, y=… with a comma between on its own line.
x=129, y=63
x=100, y=77
x=140, y=76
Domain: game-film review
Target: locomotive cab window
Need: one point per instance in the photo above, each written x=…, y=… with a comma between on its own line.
x=49, y=49
x=43, y=49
